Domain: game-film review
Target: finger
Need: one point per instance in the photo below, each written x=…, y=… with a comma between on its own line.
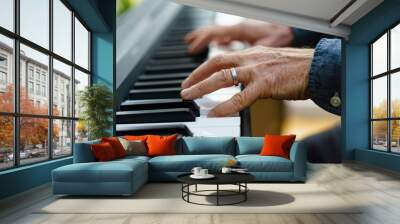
x=211, y=66
x=199, y=43
x=216, y=81
x=267, y=42
x=237, y=103
x=191, y=36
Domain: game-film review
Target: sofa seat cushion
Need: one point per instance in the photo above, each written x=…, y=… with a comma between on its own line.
x=113, y=171
x=185, y=163
x=257, y=163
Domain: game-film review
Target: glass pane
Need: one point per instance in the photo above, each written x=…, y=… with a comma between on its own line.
x=81, y=131
x=35, y=21
x=395, y=47
x=81, y=81
x=7, y=14
x=379, y=97
x=62, y=138
x=33, y=139
x=34, y=96
x=6, y=74
x=379, y=135
x=6, y=142
x=62, y=29
x=395, y=136
x=395, y=94
x=379, y=55
x=81, y=45
x=62, y=89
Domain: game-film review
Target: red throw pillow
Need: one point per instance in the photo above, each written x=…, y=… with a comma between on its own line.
x=103, y=152
x=136, y=137
x=277, y=145
x=116, y=145
x=161, y=145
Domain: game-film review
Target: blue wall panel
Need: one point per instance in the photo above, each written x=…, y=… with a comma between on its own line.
x=356, y=110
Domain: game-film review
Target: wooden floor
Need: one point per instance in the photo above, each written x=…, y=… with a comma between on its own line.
x=379, y=189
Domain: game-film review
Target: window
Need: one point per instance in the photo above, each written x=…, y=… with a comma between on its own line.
x=30, y=87
x=7, y=14
x=385, y=94
x=49, y=79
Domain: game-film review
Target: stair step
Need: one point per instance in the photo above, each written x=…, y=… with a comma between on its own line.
x=159, y=104
x=156, y=93
x=152, y=116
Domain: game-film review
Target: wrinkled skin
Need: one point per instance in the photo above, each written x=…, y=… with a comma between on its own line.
x=275, y=73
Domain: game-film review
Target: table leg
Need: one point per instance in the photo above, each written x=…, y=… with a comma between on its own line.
x=217, y=194
x=245, y=193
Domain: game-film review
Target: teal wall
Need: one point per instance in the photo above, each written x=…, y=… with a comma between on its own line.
x=355, y=114
x=99, y=16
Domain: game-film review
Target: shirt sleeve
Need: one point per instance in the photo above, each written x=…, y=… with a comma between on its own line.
x=306, y=38
x=325, y=75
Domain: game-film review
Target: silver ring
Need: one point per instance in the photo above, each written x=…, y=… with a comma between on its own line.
x=234, y=76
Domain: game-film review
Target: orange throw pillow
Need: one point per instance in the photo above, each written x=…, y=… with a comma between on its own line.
x=136, y=137
x=103, y=152
x=161, y=145
x=277, y=145
x=116, y=145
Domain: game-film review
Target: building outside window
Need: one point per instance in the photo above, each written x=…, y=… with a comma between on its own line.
x=55, y=128
x=385, y=93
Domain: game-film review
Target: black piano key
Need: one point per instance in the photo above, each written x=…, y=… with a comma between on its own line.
x=156, y=93
x=155, y=116
x=171, y=68
x=163, y=76
x=175, y=61
x=158, y=84
x=173, y=47
x=130, y=105
x=159, y=129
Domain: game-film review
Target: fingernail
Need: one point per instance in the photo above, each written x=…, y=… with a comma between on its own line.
x=185, y=94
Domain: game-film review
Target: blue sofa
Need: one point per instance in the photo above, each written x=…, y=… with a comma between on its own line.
x=125, y=176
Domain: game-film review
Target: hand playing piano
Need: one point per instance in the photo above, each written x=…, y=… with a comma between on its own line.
x=276, y=73
x=253, y=32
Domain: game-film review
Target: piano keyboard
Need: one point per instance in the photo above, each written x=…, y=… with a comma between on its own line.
x=154, y=105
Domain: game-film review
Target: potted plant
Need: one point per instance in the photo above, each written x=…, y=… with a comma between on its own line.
x=96, y=104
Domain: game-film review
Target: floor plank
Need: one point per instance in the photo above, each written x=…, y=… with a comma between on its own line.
x=377, y=189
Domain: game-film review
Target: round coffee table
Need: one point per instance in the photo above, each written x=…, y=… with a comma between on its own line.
x=238, y=179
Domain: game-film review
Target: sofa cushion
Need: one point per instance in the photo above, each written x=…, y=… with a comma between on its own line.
x=161, y=145
x=249, y=145
x=277, y=145
x=112, y=171
x=185, y=163
x=103, y=152
x=206, y=145
x=257, y=163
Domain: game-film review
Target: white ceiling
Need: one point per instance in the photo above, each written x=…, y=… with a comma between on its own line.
x=324, y=16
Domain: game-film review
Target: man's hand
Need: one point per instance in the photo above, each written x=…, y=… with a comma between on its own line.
x=276, y=73
x=255, y=33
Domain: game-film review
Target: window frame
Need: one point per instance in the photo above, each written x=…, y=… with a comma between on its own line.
x=388, y=74
x=16, y=114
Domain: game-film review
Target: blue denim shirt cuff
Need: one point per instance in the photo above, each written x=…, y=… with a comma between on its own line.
x=325, y=74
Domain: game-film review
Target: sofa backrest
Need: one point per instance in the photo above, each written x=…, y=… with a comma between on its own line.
x=83, y=152
x=206, y=145
x=249, y=145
